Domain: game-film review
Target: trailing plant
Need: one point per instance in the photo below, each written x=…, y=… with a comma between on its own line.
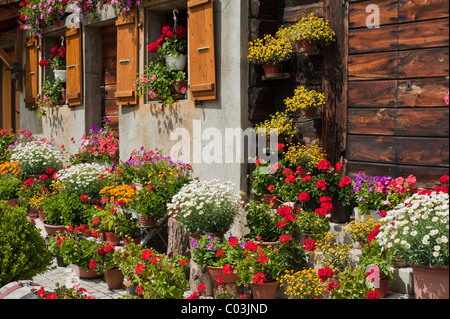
x=50, y=96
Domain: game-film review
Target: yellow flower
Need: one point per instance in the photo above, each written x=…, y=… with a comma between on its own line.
x=304, y=99
x=269, y=50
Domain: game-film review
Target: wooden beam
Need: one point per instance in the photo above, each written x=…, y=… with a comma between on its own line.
x=5, y=57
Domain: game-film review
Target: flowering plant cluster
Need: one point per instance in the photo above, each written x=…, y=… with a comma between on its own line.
x=280, y=123
x=380, y=192
x=156, y=276
x=78, y=250
x=267, y=178
x=359, y=229
x=83, y=179
x=310, y=28
x=36, y=157
x=332, y=253
x=36, y=15
x=100, y=144
x=104, y=258
x=304, y=99
x=57, y=58
x=307, y=156
x=312, y=223
x=269, y=50
x=158, y=82
x=9, y=168
x=50, y=96
x=118, y=195
x=62, y=292
x=117, y=221
x=417, y=229
x=204, y=207
x=171, y=42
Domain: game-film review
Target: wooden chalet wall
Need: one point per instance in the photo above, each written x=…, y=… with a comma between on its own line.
x=398, y=123
x=267, y=96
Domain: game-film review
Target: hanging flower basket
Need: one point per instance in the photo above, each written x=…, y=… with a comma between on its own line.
x=60, y=74
x=176, y=63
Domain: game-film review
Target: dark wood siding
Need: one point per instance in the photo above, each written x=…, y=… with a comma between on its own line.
x=397, y=121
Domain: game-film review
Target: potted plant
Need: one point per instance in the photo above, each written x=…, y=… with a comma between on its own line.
x=308, y=34
x=304, y=284
x=352, y=283
x=331, y=252
x=9, y=189
x=150, y=204
x=62, y=292
x=305, y=156
x=280, y=124
x=99, y=146
x=359, y=229
x=260, y=267
x=104, y=263
x=52, y=95
x=61, y=210
x=311, y=224
x=158, y=82
x=308, y=102
x=33, y=21
x=58, y=62
x=23, y=252
x=218, y=257
x=172, y=45
x=203, y=207
x=83, y=179
x=271, y=52
x=79, y=251
x=36, y=156
x=417, y=231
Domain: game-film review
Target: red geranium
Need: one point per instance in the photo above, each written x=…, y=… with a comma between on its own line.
x=303, y=197
x=321, y=184
x=259, y=278
x=309, y=244
x=324, y=165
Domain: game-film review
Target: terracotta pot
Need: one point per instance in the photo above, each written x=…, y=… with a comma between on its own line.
x=112, y=238
x=267, y=197
x=178, y=85
x=13, y=202
x=340, y=214
x=53, y=229
x=41, y=215
x=136, y=240
x=33, y=212
x=306, y=47
x=272, y=70
x=114, y=278
x=83, y=274
x=216, y=272
x=431, y=282
x=266, y=290
x=311, y=113
x=382, y=290
x=146, y=221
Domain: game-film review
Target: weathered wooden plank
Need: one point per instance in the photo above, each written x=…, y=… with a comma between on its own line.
x=296, y=13
x=373, y=40
x=360, y=11
x=422, y=92
x=378, y=149
x=426, y=34
x=373, y=66
x=400, y=122
x=422, y=63
x=425, y=151
x=372, y=94
x=398, y=150
x=416, y=10
x=427, y=177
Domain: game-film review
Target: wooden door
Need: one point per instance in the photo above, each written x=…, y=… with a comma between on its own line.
x=397, y=121
x=9, y=97
x=109, y=78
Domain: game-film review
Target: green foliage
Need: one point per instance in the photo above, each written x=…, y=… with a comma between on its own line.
x=22, y=249
x=211, y=251
x=310, y=222
x=51, y=94
x=10, y=187
x=78, y=250
x=62, y=209
x=352, y=282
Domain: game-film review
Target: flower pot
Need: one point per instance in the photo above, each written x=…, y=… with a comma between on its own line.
x=431, y=282
x=112, y=238
x=135, y=240
x=308, y=47
x=311, y=113
x=114, y=278
x=382, y=290
x=60, y=261
x=216, y=272
x=266, y=290
x=32, y=212
x=267, y=197
x=53, y=229
x=340, y=213
x=176, y=63
x=179, y=85
x=61, y=74
x=272, y=70
x=83, y=274
x=41, y=215
x=146, y=221
x=12, y=202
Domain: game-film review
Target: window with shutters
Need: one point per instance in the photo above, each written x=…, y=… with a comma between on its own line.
x=197, y=17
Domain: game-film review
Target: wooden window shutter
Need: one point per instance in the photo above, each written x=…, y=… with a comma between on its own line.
x=202, y=69
x=127, y=57
x=74, y=84
x=31, y=72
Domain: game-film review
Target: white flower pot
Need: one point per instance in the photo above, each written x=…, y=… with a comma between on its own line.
x=62, y=74
x=176, y=63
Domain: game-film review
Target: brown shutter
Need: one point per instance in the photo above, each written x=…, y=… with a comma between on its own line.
x=31, y=72
x=127, y=57
x=202, y=69
x=74, y=67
